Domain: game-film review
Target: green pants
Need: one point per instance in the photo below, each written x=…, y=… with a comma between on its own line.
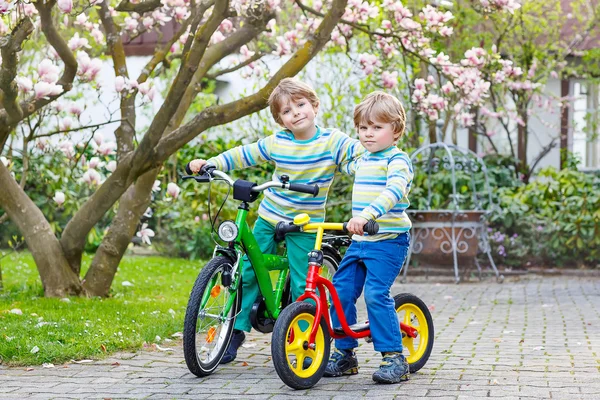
x=298, y=246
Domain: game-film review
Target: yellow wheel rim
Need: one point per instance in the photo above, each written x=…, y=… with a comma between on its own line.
x=296, y=349
x=412, y=316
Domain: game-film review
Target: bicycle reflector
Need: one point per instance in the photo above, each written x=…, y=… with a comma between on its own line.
x=228, y=231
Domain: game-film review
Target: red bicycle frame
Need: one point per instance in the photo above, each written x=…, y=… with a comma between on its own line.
x=315, y=281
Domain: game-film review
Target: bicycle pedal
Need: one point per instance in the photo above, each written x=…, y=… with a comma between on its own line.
x=351, y=371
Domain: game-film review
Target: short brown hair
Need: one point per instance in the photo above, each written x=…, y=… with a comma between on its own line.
x=290, y=88
x=382, y=107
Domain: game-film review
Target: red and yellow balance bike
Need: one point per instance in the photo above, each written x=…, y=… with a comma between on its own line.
x=302, y=335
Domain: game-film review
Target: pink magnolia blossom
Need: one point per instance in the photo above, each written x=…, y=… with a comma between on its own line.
x=226, y=26
x=81, y=19
x=98, y=138
x=59, y=198
x=156, y=186
x=92, y=177
x=173, y=190
x=42, y=144
x=107, y=148
x=75, y=109
x=131, y=24
x=24, y=84
x=98, y=36
x=67, y=149
x=390, y=79
x=420, y=84
x=65, y=5
x=160, y=17
x=4, y=6
x=111, y=166
x=47, y=71
x=283, y=46
x=94, y=163
x=466, y=119
x=148, y=22
x=145, y=233
x=44, y=90
x=217, y=37
x=77, y=42
x=448, y=88
x=88, y=68
x=65, y=124
x=119, y=83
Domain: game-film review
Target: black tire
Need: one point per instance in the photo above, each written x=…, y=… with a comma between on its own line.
x=193, y=344
x=406, y=302
x=331, y=261
x=286, y=364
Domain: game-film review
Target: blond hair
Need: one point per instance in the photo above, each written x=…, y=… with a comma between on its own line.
x=290, y=89
x=381, y=107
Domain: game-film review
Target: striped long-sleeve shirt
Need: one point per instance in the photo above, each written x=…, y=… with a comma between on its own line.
x=381, y=185
x=312, y=161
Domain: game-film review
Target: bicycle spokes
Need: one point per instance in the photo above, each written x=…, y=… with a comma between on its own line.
x=303, y=358
x=412, y=316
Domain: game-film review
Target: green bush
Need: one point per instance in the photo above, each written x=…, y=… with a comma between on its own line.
x=557, y=215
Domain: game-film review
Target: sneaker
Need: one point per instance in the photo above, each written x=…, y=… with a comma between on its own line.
x=236, y=341
x=342, y=362
x=393, y=369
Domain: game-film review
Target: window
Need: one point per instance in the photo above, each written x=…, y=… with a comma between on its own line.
x=586, y=142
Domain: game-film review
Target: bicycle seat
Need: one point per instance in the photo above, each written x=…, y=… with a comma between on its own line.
x=356, y=328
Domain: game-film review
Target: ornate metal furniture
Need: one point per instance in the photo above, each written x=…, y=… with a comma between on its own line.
x=453, y=231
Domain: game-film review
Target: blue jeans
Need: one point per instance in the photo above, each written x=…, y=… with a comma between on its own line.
x=374, y=266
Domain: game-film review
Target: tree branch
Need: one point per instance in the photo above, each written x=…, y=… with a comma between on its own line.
x=145, y=6
x=114, y=46
x=116, y=184
x=218, y=115
x=9, y=47
x=249, y=61
x=186, y=72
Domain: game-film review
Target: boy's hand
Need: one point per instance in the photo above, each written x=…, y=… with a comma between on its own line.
x=196, y=165
x=355, y=225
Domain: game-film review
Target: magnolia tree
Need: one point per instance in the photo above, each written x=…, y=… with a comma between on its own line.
x=51, y=57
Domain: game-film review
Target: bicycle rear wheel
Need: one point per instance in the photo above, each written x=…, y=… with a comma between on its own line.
x=209, y=318
x=413, y=312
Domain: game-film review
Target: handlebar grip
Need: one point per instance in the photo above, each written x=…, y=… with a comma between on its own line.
x=188, y=169
x=310, y=189
x=371, y=227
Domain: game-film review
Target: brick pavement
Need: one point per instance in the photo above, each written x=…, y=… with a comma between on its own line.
x=534, y=338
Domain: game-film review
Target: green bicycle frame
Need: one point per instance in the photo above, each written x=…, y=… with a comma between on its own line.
x=262, y=264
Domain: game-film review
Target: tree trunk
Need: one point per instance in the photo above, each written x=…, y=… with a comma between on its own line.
x=522, y=143
x=132, y=205
x=58, y=279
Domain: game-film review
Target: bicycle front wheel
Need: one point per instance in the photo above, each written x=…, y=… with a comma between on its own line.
x=209, y=318
x=299, y=365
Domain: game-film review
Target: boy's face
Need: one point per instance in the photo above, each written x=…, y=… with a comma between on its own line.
x=298, y=115
x=377, y=136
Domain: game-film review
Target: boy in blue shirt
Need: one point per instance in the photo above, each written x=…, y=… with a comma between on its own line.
x=383, y=176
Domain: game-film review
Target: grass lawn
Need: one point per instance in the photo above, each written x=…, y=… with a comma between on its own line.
x=148, y=299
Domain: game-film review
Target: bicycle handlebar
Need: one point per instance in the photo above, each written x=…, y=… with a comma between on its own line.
x=283, y=228
x=209, y=171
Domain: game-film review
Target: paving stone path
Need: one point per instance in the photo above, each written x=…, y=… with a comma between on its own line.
x=534, y=338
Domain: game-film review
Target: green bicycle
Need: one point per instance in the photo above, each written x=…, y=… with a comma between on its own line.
x=215, y=299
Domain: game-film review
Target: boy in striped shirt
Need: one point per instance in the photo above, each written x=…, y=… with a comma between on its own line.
x=308, y=154
x=383, y=176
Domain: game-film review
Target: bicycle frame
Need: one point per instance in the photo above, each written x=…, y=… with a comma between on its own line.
x=315, y=281
x=262, y=264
